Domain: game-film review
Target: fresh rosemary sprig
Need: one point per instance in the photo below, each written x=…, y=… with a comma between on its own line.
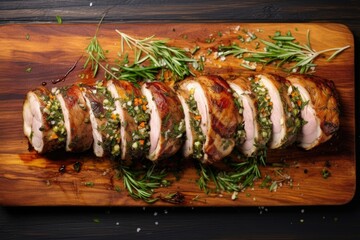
x=141, y=185
x=243, y=175
x=159, y=53
x=282, y=49
x=95, y=52
x=134, y=72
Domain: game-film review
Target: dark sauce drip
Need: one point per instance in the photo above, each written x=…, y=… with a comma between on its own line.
x=67, y=73
x=62, y=169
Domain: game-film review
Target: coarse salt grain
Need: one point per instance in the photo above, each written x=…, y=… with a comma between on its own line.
x=234, y=195
x=138, y=229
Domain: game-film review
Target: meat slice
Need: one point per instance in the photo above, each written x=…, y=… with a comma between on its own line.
x=76, y=118
x=43, y=121
x=285, y=115
x=167, y=123
x=321, y=113
x=193, y=130
x=210, y=118
x=104, y=120
x=255, y=116
x=132, y=108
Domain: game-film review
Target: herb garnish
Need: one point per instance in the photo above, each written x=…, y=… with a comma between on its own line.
x=95, y=52
x=140, y=184
x=159, y=53
x=282, y=49
x=244, y=173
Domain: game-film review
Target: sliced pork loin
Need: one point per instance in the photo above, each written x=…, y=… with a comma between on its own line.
x=210, y=118
x=321, y=113
x=43, y=121
x=257, y=132
x=132, y=108
x=104, y=120
x=76, y=118
x=285, y=115
x=167, y=123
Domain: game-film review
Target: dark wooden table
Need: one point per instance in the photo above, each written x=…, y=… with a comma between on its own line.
x=326, y=222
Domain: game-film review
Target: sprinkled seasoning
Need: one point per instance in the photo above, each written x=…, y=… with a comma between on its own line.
x=138, y=108
x=54, y=117
x=110, y=129
x=195, y=122
x=297, y=104
x=240, y=130
x=264, y=107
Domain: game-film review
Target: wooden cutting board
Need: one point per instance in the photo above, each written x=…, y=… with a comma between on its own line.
x=35, y=53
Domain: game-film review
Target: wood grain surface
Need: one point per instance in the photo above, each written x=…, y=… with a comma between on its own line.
x=27, y=178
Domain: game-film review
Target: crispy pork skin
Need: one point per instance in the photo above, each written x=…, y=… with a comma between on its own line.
x=76, y=118
x=210, y=103
x=43, y=121
x=166, y=120
x=321, y=113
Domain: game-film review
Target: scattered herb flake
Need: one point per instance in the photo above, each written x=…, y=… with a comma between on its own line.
x=117, y=188
x=89, y=184
x=325, y=173
x=29, y=69
x=59, y=19
x=77, y=166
